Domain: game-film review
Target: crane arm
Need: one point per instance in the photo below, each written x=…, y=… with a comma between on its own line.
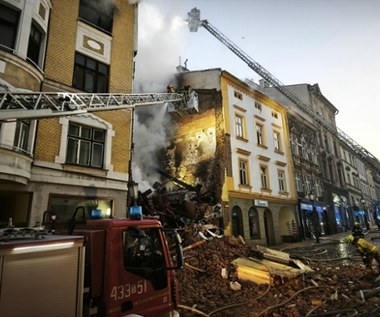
x=35, y=105
x=194, y=22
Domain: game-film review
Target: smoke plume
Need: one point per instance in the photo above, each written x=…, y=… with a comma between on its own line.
x=159, y=47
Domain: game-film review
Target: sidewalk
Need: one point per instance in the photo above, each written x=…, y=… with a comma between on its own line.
x=310, y=242
x=322, y=239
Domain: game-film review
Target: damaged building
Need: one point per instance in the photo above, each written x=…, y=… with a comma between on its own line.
x=237, y=147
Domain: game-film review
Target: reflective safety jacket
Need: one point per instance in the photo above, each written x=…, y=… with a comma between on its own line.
x=366, y=248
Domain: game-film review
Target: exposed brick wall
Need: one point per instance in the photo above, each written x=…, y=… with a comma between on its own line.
x=197, y=155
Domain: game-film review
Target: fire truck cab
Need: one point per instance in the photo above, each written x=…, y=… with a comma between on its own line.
x=107, y=268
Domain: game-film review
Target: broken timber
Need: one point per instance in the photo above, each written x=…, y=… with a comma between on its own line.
x=274, y=263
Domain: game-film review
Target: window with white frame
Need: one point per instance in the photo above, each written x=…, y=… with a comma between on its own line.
x=9, y=20
x=300, y=149
x=260, y=134
x=293, y=144
x=20, y=141
x=281, y=180
x=239, y=125
x=85, y=146
x=243, y=172
x=277, y=141
x=298, y=182
x=318, y=189
x=264, y=177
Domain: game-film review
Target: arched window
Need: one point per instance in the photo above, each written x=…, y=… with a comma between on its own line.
x=236, y=222
x=253, y=218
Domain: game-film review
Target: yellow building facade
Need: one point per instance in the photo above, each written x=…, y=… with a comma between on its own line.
x=69, y=164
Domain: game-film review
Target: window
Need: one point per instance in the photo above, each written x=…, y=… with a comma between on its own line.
x=8, y=27
x=239, y=120
x=20, y=142
x=298, y=182
x=293, y=144
x=144, y=256
x=276, y=141
x=238, y=95
x=97, y=13
x=264, y=177
x=275, y=114
x=85, y=146
x=243, y=172
x=90, y=75
x=34, y=47
x=81, y=208
x=300, y=150
x=281, y=181
x=254, y=229
x=259, y=134
x=258, y=106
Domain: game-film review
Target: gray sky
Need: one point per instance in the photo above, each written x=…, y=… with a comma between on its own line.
x=335, y=43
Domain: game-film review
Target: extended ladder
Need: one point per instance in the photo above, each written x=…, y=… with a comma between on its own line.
x=35, y=105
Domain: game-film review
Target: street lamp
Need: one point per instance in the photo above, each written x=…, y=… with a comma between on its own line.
x=133, y=191
x=135, y=212
x=315, y=218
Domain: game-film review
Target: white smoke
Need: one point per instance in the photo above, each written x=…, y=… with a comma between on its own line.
x=159, y=49
x=152, y=125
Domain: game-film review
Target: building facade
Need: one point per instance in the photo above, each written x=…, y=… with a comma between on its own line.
x=340, y=187
x=73, y=163
x=238, y=148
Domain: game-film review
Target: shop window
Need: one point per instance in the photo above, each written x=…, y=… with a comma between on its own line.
x=15, y=207
x=254, y=229
x=67, y=208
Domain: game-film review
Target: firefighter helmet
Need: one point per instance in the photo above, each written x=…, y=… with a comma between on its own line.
x=350, y=238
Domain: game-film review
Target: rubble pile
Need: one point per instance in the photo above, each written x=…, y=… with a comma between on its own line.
x=210, y=286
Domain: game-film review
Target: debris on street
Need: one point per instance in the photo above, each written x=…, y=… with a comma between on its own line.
x=323, y=287
x=224, y=276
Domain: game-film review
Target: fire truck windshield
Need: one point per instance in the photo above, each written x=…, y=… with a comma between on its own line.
x=144, y=255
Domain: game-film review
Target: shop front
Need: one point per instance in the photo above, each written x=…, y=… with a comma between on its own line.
x=306, y=214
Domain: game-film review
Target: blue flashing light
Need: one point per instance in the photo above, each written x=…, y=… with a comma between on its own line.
x=135, y=213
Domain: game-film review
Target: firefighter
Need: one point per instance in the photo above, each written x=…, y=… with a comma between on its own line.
x=170, y=89
x=367, y=251
x=357, y=231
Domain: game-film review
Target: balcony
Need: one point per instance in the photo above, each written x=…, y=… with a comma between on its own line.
x=15, y=167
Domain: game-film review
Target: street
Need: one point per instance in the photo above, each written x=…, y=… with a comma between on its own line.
x=339, y=286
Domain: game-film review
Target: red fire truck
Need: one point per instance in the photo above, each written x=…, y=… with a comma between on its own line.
x=103, y=267
x=108, y=267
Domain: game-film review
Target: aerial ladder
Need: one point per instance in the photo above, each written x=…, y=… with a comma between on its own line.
x=194, y=22
x=37, y=105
